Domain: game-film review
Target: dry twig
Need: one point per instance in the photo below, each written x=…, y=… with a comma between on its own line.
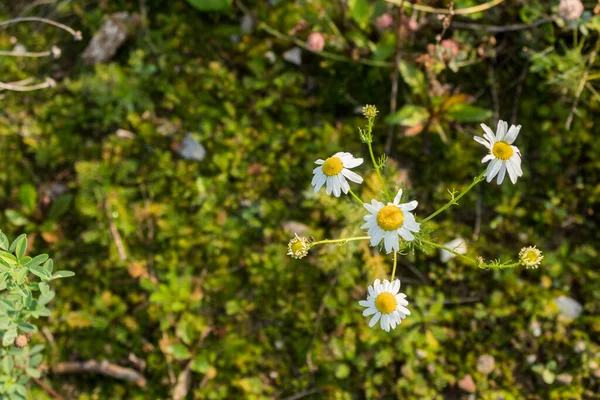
x=101, y=367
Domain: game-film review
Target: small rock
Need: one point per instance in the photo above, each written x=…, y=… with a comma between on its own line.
x=247, y=24
x=292, y=227
x=580, y=347
x=593, y=364
x=191, y=149
x=458, y=245
x=568, y=306
x=531, y=358
x=467, y=384
x=565, y=379
x=293, y=55
x=421, y=353
x=486, y=364
x=269, y=55
x=19, y=49
x=109, y=38
x=124, y=134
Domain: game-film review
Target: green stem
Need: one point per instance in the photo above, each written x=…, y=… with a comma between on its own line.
x=340, y=240
x=395, y=263
x=356, y=197
x=455, y=199
x=439, y=246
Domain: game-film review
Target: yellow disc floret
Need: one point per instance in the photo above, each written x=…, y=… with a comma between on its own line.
x=332, y=166
x=531, y=257
x=390, y=218
x=502, y=151
x=386, y=303
x=298, y=247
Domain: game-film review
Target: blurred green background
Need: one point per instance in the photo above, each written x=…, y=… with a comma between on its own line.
x=171, y=176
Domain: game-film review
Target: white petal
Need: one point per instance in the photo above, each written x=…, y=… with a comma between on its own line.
x=487, y=158
x=344, y=184
x=489, y=134
x=512, y=173
x=337, y=188
x=371, y=208
x=385, y=322
x=374, y=320
x=398, y=197
x=403, y=310
x=410, y=223
x=493, y=169
x=501, y=173
x=320, y=162
x=369, y=311
x=354, y=177
x=406, y=234
x=482, y=141
x=501, y=130
x=395, y=287
x=317, y=170
x=409, y=206
x=377, y=236
x=377, y=285
x=364, y=303
x=371, y=291
x=319, y=180
x=516, y=160
x=352, y=162
x=329, y=185
x=389, y=241
x=512, y=134
x=516, y=150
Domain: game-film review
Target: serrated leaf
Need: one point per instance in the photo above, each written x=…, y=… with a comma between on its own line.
x=408, y=115
x=468, y=113
x=63, y=274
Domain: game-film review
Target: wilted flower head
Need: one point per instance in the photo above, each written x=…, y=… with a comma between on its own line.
x=384, y=21
x=530, y=257
x=21, y=341
x=570, y=9
x=450, y=47
x=315, y=41
x=298, y=247
x=369, y=111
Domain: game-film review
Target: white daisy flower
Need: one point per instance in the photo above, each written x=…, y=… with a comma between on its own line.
x=503, y=155
x=334, y=172
x=387, y=305
x=388, y=222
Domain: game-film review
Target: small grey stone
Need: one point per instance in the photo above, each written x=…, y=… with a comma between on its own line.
x=191, y=149
x=291, y=227
x=568, y=306
x=565, y=379
x=467, y=384
x=486, y=364
x=293, y=55
x=247, y=24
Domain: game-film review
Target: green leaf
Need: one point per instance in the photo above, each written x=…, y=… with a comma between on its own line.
x=463, y=112
x=21, y=248
x=548, y=376
x=13, y=245
x=8, y=259
x=49, y=265
x=37, y=260
x=27, y=327
x=28, y=197
x=359, y=12
x=210, y=5
x=7, y=364
x=44, y=287
x=179, y=351
x=45, y=298
x=414, y=77
x=9, y=336
x=408, y=115
x=41, y=272
x=36, y=349
x=62, y=274
x=34, y=373
x=60, y=206
x=200, y=365
x=3, y=241
x=15, y=217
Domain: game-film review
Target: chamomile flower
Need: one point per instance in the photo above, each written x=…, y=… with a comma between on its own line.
x=298, y=247
x=391, y=221
x=503, y=155
x=385, y=304
x=531, y=257
x=334, y=171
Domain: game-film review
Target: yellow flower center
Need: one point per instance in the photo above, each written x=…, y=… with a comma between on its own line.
x=390, y=218
x=332, y=166
x=531, y=256
x=386, y=303
x=502, y=151
x=297, y=247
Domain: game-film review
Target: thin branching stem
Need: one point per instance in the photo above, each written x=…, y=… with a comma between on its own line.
x=333, y=241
